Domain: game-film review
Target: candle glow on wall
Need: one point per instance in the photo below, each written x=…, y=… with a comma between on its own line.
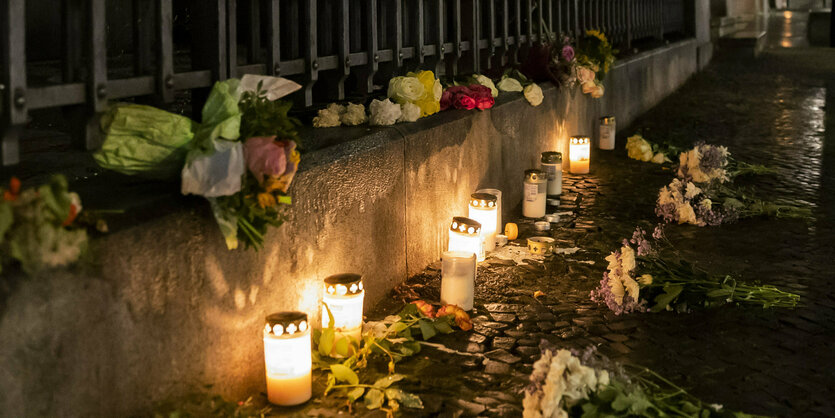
x=484, y=210
x=288, y=358
x=344, y=295
x=465, y=235
x=579, y=152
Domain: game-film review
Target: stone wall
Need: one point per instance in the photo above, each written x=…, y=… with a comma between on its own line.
x=169, y=309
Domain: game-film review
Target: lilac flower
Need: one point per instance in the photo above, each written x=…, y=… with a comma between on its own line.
x=712, y=158
x=603, y=295
x=709, y=215
x=667, y=211
x=641, y=242
x=567, y=53
x=658, y=232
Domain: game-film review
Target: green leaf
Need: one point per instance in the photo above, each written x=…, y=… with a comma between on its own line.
x=385, y=382
x=398, y=327
x=621, y=403
x=442, y=325
x=326, y=342
x=426, y=329
x=373, y=399
x=330, y=315
x=670, y=293
x=409, y=400
x=410, y=309
x=344, y=374
x=355, y=394
x=341, y=346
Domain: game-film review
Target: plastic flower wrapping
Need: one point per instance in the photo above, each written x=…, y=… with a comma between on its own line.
x=648, y=274
x=37, y=226
x=242, y=156
x=567, y=383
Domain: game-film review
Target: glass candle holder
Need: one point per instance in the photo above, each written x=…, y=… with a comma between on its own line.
x=458, y=271
x=607, y=133
x=344, y=295
x=551, y=164
x=579, y=152
x=465, y=235
x=533, y=200
x=498, y=194
x=484, y=210
x=288, y=358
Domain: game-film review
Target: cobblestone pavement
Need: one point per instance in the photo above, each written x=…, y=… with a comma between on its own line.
x=775, y=362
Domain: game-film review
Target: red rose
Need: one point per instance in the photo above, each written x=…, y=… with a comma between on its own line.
x=483, y=96
x=463, y=101
x=447, y=99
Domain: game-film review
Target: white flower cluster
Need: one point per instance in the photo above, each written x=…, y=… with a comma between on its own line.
x=680, y=194
x=620, y=274
x=384, y=112
x=559, y=382
x=336, y=114
x=640, y=149
x=691, y=164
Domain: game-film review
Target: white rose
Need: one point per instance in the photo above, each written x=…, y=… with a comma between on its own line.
x=409, y=112
x=660, y=158
x=354, y=115
x=510, y=84
x=437, y=90
x=326, y=119
x=405, y=89
x=487, y=82
x=598, y=91
x=533, y=93
x=585, y=75
x=383, y=112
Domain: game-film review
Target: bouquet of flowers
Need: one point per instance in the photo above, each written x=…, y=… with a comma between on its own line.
x=638, y=148
x=421, y=90
x=566, y=384
x=474, y=96
x=36, y=226
x=553, y=60
x=595, y=57
x=710, y=163
x=645, y=276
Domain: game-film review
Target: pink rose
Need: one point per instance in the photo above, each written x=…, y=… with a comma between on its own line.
x=567, y=53
x=266, y=156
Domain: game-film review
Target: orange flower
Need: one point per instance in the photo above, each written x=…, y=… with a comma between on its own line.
x=14, y=190
x=462, y=319
x=266, y=200
x=425, y=308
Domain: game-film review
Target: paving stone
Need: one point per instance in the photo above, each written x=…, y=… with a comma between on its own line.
x=619, y=338
x=504, y=342
x=528, y=342
x=545, y=326
x=477, y=338
x=496, y=367
x=502, y=355
x=503, y=317
x=471, y=408
x=503, y=307
x=527, y=352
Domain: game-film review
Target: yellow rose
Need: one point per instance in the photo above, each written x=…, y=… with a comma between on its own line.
x=638, y=148
x=430, y=102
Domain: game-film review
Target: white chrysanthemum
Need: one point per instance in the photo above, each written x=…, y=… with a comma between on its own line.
x=533, y=94
x=354, y=115
x=487, y=82
x=691, y=191
x=409, y=112
x=327, y=118
x=383, y=112
x=336, y=108
x=405, y=89
x=664, y=196
x=627, y=259
x=510, y=84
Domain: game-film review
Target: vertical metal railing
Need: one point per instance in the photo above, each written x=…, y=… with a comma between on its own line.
x=337, y=49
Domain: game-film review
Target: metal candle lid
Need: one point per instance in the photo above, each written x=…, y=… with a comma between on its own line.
x=343, y=284
x=607, y=120
x=483, y=201
x=286, y=323
x=579, y=140
x=464, y=225
x=535, y=175
x=551, y=157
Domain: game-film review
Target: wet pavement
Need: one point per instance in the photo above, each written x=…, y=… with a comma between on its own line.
x=778, y=111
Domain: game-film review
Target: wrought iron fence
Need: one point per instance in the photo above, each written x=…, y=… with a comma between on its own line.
x=334, y=48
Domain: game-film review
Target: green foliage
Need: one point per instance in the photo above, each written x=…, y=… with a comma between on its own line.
x=264, y=117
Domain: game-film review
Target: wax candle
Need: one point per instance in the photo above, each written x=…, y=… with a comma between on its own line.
x=579, y=154
x=344, y=295
x=533, y=200
x=551, y=164
x=287, y=357
x=607, y=132
x=465, y=235
x=498, y=194
x=484, y=209
x=458, y=270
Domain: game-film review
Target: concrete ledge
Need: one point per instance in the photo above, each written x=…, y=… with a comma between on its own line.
x=818, y=27
x=168, y=309
x=750, y=43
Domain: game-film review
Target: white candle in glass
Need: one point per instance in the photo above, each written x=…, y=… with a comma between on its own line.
x=287, y=358
x=498, y=194
x=344, y=295
x=458, y=270
x=579, y=151
x=484, y=209
x=608, y=128
x=533, y=199
x=551, y=164
x=465, y=235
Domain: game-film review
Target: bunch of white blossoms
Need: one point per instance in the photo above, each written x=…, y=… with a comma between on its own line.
x=336, y=114
x=558, y=382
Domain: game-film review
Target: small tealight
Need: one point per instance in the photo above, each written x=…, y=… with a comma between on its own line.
x=552, y=217
x=554, y=202
x=501, y=240
x=542, y=225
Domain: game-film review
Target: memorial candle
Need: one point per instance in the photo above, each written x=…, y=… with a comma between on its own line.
x=458, y=271
x=484, y=209
x=288, y=358
x=579, y=153
x=344, y=295
x=465, y=235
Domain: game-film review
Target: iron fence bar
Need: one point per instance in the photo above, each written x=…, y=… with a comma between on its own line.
x=311, y=54
x=417, y=32
x=254, y=51
x=274, y=37
x=344, y=46
x=529, y=17
x=165, y=51
x=96, y=73
x=371, y=40
x=517, y=40
x=232, y=37
x=491, y=35
x=475, y=35
x=72, y=30
x=439, y=46
x=459, y=45
x=143, y=14
x=13, y=81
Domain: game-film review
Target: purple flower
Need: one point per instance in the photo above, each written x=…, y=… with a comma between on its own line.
x=567, y=53
x=641, y=242
x=709, y=216
x=668, y=212
x=712, y=158
x=658, y=232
